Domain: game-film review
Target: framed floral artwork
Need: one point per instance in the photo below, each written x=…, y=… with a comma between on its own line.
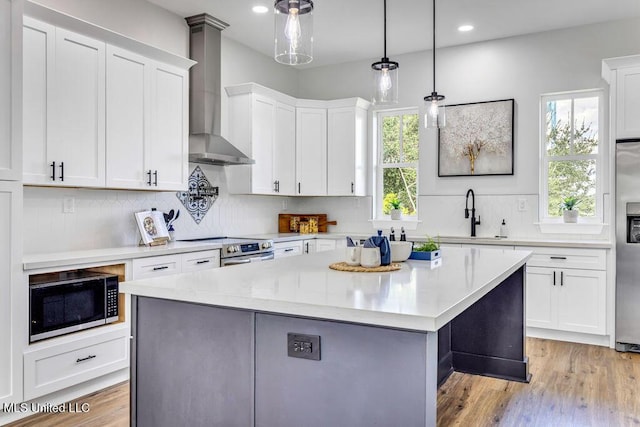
x=477, y=140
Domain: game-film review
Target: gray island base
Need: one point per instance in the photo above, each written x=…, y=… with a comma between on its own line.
x=206, y=364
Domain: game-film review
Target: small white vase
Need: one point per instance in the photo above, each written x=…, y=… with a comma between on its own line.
x=396, y=214
x=570, y=216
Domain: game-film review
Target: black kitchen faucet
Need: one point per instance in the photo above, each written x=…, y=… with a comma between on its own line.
x=473, y=212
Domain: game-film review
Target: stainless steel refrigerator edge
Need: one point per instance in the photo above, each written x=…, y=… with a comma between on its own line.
x=628, y=245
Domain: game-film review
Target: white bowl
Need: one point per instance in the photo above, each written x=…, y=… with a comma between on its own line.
x=400, y=251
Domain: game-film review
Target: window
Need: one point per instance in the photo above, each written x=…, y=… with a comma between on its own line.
x=397, y=161
x=572, y=131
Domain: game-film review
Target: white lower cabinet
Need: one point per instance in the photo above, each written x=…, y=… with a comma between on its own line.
x=307, y=246
x=202, y=260
x=287, y=249
x=164, y=265
x=53, y=368
x=565, y=298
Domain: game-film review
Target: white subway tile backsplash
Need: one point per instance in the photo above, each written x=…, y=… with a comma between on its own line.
x=104, y=218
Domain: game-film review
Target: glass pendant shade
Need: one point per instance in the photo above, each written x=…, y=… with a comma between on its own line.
x=435, y=115
x=293, y=31
x=385, y=82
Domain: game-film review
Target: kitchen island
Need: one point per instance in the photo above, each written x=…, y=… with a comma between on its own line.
x=292, y=342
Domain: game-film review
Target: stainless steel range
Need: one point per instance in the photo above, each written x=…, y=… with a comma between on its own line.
x=240, y=250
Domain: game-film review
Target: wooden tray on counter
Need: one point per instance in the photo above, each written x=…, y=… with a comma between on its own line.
x=284, y=222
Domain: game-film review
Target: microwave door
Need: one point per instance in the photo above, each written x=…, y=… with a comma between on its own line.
x=61, y=308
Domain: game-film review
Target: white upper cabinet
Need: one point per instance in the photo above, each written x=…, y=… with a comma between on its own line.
x=311, y=151
x=169, y=148
x=64, y=93
x=101, y=109
x=76, y=126
x=262, y=125
x=347, y=149
x=284, y=151
x=146, y=123
x=128, y=119
x=301, y=147
x=10, y=90
x=628, y=103
x=38, y=60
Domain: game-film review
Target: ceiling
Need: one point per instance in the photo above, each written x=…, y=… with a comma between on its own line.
x=352, y=30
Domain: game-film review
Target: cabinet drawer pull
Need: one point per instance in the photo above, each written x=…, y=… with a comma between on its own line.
x=289, y=249
x=352, y=188
x=562, y=278
x=204, y=261
x=298, y=188
x=149, y=181
x=53, y=171
x=164, y=267
x=61, y=171
x=554, y=278
x=89, y=357
x=155, y=178
x=558, y=257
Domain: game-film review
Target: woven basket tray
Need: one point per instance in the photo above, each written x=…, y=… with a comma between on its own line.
x=343, y=266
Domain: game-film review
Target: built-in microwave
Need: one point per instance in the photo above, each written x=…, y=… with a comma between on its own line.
x=70, y=301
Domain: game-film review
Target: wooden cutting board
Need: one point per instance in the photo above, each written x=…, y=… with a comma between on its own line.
x=285, y=225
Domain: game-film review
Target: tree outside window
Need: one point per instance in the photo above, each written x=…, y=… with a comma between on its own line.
x=571, y=152
x=398, y=164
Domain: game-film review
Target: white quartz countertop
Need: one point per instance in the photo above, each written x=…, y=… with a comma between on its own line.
x=508, y=241
x=420, y=296
x=70, y=258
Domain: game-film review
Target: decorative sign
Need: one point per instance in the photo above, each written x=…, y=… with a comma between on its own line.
x=200, y=196
x=477, y=140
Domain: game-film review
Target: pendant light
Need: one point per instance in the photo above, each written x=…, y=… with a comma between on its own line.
x=385, y=74
x=293, y=31
x=435, y=115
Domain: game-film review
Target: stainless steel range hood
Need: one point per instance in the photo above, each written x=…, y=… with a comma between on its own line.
x=205, y=143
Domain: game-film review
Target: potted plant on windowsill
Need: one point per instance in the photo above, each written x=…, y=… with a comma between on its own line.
x=569, y=211
x=396, y=208
x=428, y=250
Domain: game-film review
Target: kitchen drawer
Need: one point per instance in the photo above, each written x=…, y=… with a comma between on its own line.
x=203, y=260
x=60, y=366
x=285, y=249
x=590, y=259
x=323, y=245
x=156, y=266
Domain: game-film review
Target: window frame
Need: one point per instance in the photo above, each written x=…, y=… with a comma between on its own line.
x=599, y=157
x=379, y=166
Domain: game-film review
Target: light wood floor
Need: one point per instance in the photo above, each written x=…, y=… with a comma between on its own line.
x=572, y=385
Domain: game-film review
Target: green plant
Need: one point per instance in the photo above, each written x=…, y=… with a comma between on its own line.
x=429, y=246
x=391, y=201
x=395, y=204
x=568, y=203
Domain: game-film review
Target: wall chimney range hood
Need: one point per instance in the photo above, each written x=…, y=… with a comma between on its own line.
x=205, y=143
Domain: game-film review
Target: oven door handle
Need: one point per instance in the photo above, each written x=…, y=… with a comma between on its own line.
x=265, y=258
x=237, y=261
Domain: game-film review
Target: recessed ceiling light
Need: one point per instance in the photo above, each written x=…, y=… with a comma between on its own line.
x=465, y=28
x=260, y=9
